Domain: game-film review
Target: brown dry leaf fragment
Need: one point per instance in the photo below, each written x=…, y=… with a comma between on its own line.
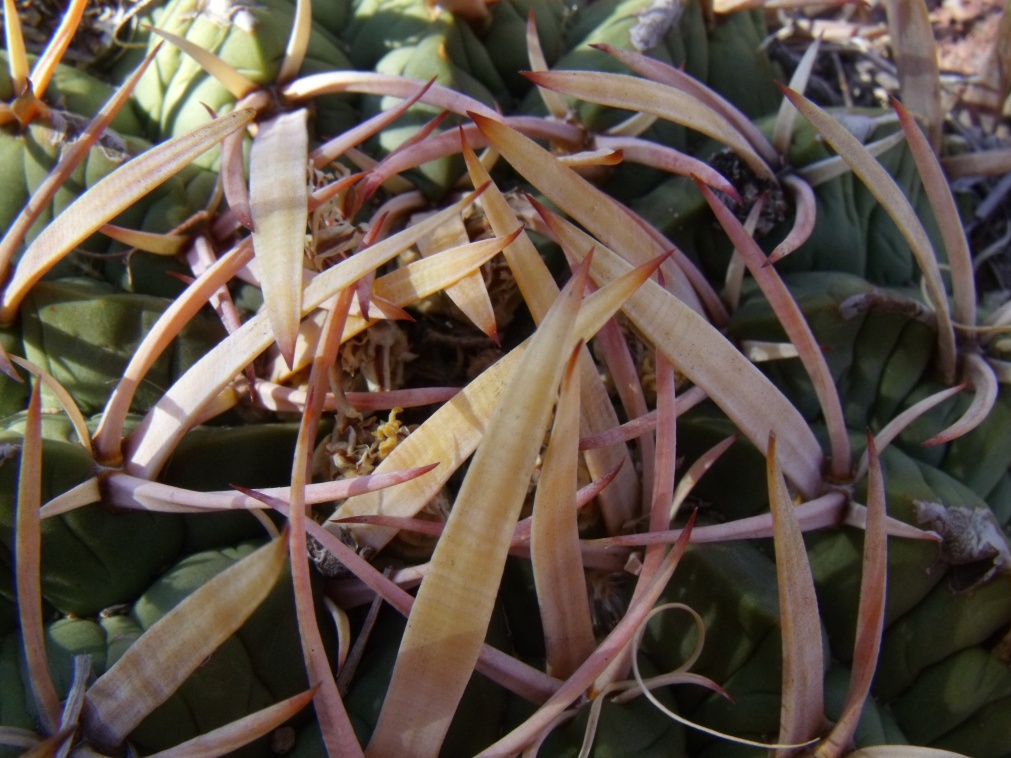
x=654, y=21
x=973, y=543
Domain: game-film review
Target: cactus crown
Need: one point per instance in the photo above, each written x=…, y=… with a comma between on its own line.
x=337, y=294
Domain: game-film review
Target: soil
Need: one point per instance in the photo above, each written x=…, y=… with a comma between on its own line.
x=965, y=31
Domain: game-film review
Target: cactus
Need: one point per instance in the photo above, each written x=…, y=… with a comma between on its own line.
x=286, y=394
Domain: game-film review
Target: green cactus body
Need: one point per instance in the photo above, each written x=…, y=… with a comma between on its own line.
x=984, y=734
x=943, y=624
x=476, y=724
x=635, y=729
x=76, y=92
x=28, y=157
x=732, y=586
x=978, y=460
x=14, y=708
x=79, y=319
x=950, y=692
x=509, y=23
x=876, y=357
x=852, y=234
x=32, y=154
x=253, y=455
x=404, y=39
x=258, y=666
x=92, y=557
x=379, y=26
x=748, y=616
x=175, y=92
x=877, y=724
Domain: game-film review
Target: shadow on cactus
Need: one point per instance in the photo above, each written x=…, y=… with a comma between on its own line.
x=625, y=382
